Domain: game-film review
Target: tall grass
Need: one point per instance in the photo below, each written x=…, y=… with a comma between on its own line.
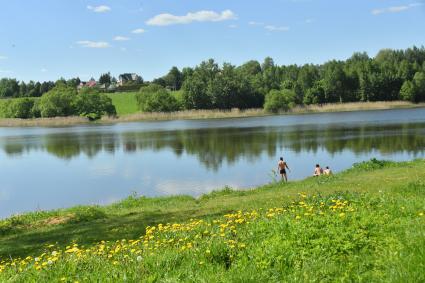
x=354, y=106
x=187, y=114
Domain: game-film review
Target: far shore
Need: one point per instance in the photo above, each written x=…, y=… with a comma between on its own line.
x=208, y=114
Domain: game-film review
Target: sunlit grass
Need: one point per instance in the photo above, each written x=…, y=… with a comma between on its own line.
x=125, y=102
x=365, y=224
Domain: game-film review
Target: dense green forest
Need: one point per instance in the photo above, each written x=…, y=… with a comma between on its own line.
x=390, y=75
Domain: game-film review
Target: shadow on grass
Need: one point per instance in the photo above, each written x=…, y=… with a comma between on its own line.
x=129, y=226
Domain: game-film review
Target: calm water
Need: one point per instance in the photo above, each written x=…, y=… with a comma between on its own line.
x=46, y=168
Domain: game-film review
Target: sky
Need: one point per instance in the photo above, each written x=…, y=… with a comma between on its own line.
x=47, y=39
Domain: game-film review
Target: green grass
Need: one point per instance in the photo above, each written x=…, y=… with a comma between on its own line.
x=365, y=224
x=124, y=102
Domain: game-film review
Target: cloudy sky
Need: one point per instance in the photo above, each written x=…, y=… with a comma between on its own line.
x=48, y=39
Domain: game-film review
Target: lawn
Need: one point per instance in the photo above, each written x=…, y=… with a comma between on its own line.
x=124, y=102
x=364, y=224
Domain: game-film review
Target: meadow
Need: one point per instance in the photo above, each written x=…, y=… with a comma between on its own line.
x=125, y=102
x=365, y=224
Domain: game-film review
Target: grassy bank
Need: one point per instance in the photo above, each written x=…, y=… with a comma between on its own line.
x=365, y=224
x=125, y=102
x=127, y=111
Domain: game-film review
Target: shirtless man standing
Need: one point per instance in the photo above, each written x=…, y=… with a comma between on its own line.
x=281, y=167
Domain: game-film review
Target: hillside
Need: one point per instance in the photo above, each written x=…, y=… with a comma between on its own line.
x=365, y=224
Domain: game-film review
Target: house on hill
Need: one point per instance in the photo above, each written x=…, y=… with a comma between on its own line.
x=90, y=83
x=128, y=77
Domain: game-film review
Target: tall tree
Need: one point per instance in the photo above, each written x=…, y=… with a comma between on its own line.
x=105, y=78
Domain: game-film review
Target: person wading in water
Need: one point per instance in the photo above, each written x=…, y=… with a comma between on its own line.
x=281, y=167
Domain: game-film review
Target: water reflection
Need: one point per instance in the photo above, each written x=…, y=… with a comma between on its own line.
x=47, y=168
x=214, y=146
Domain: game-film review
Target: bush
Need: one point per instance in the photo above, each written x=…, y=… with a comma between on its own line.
x=279, y=100
x=155, y=98
x=58, y=102
x=18, y=108
x=372, y=164
x=92, y=104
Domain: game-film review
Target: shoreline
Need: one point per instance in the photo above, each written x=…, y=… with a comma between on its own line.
x=208, y=114
x=379, y=164
x=376, y=177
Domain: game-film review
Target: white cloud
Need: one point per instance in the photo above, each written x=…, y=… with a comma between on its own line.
x=138, y=31
x=43, y=70
x=5, y=71
x=3, y=57
x=276, y=28
x=309, y=21
x=395, y=9
x=99, y=9
x=199, y=16
x=121, y=38
x=123, y=49
x=233, y=26
x=253, y=23
x=93, y=44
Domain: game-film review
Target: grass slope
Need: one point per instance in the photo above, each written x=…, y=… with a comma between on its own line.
x=125, y=102
x=365, y=224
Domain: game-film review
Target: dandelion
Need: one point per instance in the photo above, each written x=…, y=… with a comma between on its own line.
x=139, y=258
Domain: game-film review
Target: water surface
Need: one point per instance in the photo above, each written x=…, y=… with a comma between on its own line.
x=46, y=168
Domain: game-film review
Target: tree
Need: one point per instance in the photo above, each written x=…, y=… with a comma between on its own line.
x=316, y=94
x=22, y=89
x=59, y=101
x=407, y=91
x=155, y=98
x=105, y=78
x=195, y=95
x=419, y=83
x=9, y=88
x=174, y=79
x=19, y=108
x=74, y=82
x=279, y=100
x=250, y=68
x=93, y=105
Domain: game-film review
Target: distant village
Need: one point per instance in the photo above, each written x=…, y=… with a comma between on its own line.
x=127, y=79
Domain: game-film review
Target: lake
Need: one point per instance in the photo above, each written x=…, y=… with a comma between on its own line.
x=47, y=168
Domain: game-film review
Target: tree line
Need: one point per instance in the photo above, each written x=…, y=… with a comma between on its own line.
x=390, y=75
x=62, y=100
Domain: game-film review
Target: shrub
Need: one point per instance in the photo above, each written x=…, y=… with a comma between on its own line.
x=92, y=104
x=279, y=100
x=58, y=102
x=18, y=108
x=372, y=164
x=155, y=98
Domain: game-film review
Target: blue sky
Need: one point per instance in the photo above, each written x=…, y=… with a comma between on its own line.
x=48, y=39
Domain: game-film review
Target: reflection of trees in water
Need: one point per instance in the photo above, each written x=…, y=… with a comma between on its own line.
x=215, y=146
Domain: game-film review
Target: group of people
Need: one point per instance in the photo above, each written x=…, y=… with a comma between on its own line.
x=319, y=171
x=282, y=166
